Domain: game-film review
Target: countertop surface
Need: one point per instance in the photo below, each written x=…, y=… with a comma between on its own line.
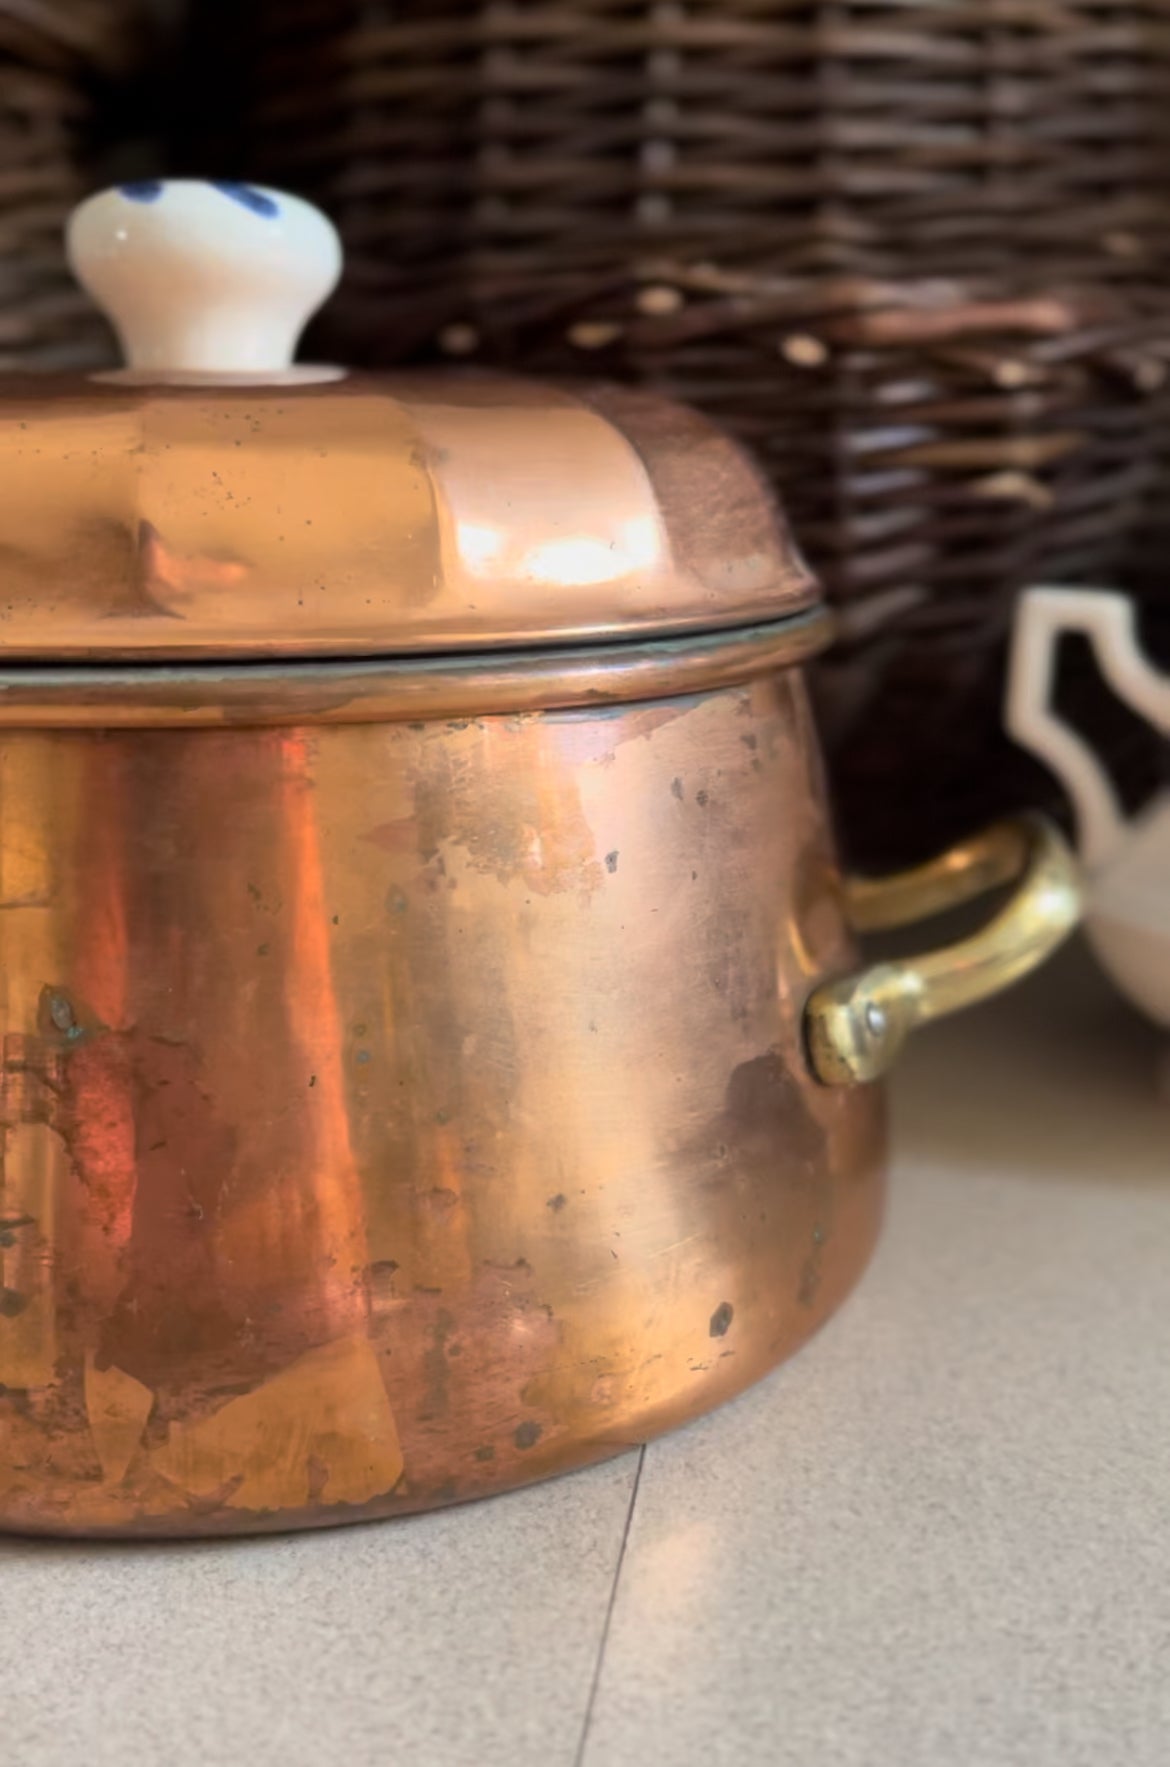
x=941, y=1534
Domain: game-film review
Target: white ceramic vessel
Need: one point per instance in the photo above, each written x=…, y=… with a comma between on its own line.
x=1126, y=860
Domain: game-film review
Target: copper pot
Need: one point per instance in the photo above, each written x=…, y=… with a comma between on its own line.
x=435, y=1049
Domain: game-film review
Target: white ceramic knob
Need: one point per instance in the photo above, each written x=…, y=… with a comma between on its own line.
x=204, y=280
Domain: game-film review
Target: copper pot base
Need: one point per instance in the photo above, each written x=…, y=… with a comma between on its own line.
x=556, y=1459
x=395, y=1113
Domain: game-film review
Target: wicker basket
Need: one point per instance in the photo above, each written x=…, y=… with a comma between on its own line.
x=55, y=56
x=914, y=254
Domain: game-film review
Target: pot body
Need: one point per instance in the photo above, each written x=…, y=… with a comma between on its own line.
x=394, y=1112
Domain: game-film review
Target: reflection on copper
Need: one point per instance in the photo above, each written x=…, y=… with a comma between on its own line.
x=118, y=1408
x=99, y=1097
x=319, y=1209
x=32, y=1172
x=180, y=576
x=581, y=559
x=319, y=1431
x=480, y=545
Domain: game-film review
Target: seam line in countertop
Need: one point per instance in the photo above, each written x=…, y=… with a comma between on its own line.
x=579, y=1757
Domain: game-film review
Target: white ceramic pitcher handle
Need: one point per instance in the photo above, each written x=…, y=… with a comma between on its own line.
x=1107, y=620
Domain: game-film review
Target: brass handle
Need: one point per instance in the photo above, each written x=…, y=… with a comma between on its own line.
x=856, y=1026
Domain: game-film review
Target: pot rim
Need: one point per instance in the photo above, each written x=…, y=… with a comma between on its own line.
x=403, y=689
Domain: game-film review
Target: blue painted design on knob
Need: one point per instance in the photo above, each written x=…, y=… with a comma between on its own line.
x=144, y=190
x=248, y=195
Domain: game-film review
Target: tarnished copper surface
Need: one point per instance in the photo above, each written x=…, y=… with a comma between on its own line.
x=396, y=1112
x=365, y=517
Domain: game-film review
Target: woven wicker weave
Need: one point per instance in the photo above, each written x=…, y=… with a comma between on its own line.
x=54, y=54
x=915, y=254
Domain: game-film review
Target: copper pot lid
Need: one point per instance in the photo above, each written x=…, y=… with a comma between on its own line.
x=210, y=500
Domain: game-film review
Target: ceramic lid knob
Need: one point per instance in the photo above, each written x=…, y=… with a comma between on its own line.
x=204, y=279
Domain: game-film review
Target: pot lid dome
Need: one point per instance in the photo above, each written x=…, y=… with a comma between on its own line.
x=212, y=500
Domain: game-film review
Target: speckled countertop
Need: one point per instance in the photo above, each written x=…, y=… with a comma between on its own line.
x=940, y=1535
